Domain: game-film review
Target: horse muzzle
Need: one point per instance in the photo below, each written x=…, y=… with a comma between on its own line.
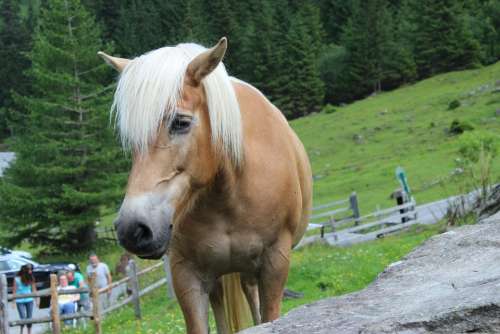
x=146, y=234
x=140, y=239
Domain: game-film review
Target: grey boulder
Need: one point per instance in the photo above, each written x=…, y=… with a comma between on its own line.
x=450, y=284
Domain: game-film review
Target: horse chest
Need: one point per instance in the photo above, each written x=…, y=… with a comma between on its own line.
x=230, y=251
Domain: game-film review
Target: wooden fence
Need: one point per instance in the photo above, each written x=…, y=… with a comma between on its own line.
x=335, y=213
x=95, y=314
x=106, y=233
x=385, y=221
x=370, y=226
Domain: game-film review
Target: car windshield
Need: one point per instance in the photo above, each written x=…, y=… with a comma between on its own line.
x=3, y=265
x=15, y=264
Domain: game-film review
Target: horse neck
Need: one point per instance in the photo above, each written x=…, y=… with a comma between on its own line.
x=221, y=189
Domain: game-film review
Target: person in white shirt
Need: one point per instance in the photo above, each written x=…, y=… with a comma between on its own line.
x=102, y=276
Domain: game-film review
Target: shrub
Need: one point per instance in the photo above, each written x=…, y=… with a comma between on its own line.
x=458, y=127
x=453, y=105
x=329, y=109
x=471, y=144
x=477, y=151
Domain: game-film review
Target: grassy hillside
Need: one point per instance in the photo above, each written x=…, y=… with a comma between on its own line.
x=358, y=147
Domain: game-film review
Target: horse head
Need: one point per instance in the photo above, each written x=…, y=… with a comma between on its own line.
x=162, y=108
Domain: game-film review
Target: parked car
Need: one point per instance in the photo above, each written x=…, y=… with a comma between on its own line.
x=6, y=251
x=10, y=265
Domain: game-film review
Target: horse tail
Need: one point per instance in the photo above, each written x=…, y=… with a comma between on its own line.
x=238, y=315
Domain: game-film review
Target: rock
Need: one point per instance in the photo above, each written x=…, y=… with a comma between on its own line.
x=290, y=294
x=448, y=285
x=497, y=113
x=358, y=139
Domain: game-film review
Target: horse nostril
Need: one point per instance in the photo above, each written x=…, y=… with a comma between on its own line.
x=142, y=234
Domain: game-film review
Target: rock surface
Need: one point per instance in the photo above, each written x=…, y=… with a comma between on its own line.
x=450, y=284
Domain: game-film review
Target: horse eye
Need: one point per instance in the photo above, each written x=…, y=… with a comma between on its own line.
x=180, y=125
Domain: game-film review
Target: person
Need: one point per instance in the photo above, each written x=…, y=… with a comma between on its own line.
x=102, y=276
x=67, y=302
x=76, y=279
x=123, y=268
x=24, y=283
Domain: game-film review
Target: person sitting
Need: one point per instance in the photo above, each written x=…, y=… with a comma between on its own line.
x=76, y=279
x=67, y=302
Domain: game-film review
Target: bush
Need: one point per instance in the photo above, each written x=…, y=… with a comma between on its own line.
x=472, y=143
x=453, y=105
x=477, y=151
x=458, y=127
x=329, y=109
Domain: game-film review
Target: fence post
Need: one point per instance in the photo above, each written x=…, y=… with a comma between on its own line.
x=54, y=305
x=134, y=282
x=4, y=305
x=94, y=292
x=168, y=273
x=115, y=237
x=400, y=200
x=353, y=199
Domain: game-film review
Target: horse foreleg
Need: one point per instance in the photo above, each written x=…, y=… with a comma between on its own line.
x=217, y=302
x=192, y=297
x=250, y=288
x=273, y=276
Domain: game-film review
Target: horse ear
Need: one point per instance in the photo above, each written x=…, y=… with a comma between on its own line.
x=203, y=64
x=115, y=62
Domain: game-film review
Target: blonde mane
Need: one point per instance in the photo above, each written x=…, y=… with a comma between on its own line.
x=150, y=87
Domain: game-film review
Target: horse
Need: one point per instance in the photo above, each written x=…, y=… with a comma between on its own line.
x=219, y=180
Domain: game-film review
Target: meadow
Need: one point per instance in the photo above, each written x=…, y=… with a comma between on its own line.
x=357, y=148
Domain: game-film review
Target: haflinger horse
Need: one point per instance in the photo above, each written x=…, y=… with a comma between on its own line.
x=219, y=180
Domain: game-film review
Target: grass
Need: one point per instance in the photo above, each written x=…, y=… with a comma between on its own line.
x=358, y=147
x=317, y=271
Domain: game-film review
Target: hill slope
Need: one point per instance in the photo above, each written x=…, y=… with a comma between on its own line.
x=358, y=147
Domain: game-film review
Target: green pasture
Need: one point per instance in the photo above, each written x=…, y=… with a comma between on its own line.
x=358, y=147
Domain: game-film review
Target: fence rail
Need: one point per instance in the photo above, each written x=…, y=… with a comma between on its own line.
x=379, y=222
x=332, y=210
x=96, y=314
x=106, y=233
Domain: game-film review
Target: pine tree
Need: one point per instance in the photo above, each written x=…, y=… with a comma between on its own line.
x=193, y=24
x=363, y=39
x=14, y=42
x=107, y=12
x=221, y=21
x=443, y=41
x=332, y=66
x=483, y=20
x=397, y=59
x=139, y=28
x=335, y=14
x=257, y=50
x=67, y=163
x=303, y=89
x=374, y=59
